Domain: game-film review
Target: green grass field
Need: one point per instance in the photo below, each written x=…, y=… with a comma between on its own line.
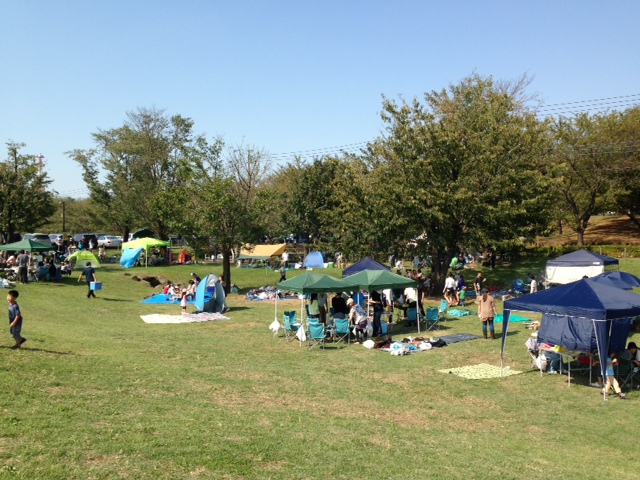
x=96, y=393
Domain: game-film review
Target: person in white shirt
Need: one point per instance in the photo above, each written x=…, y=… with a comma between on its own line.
x=450, y=290
x=534, y=284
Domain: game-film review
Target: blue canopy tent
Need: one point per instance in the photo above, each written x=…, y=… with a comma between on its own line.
x=575, y=265
x=314, y=260
x=582, y=315
x=623, y=280
x=365, y=264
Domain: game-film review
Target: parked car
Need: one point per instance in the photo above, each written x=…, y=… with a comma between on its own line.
x=87, y=237
x=109, y=241
x=39, y=237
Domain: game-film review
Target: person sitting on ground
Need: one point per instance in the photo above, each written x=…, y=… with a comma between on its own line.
x=11, y=261
x=53, y=270
x=358, y=317
x=66, y=268
x=42, y=272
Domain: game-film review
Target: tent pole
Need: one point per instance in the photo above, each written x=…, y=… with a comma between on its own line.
x=418, y=309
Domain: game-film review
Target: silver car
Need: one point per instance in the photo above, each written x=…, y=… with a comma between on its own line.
x=109, y=241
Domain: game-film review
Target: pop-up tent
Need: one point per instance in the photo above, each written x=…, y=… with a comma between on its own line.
x=365, y=264
x=145, y=243
x=380, y=279
x=309, y=282
x=261, y=252
x=210, y=295
x=314, y=260
x=80, y=258
x=575, y=265
x=26, y=245
x=582, y=315
x=622, y=280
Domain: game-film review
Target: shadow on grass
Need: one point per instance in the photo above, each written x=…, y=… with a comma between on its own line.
x=117, y=300
x=28, y=349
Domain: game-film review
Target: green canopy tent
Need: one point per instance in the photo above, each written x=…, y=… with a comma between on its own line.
x=380, y=279
x=26, y=245
x=310, y=282
x=146, y=243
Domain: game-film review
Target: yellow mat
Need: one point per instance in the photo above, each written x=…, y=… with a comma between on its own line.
x=480, y=371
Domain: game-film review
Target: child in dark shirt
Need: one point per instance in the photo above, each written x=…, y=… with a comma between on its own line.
x=15, y=319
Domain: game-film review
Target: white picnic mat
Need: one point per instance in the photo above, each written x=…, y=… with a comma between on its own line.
x=189, y=318
x=480, y=371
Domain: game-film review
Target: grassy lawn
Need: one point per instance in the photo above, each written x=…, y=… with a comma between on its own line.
x=96, y=393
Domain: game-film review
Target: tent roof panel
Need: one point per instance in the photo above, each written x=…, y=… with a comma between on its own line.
x=262, y=252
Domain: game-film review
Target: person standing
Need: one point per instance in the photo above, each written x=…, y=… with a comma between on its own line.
x=478, y=284
x=15, y=319
x=183, y=301
x=487, y=312
x=285, y=259
x=322, y=307
x=23, y=267
x=376, y=300
x=534, y=284
x=90, y=275
x=283, y=273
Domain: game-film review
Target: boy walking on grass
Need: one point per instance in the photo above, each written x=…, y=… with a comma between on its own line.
x=15, y=319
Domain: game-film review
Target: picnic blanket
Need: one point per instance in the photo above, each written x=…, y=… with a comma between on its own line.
x=189, y=318
x=162, y=298
x=479, y=372
x=512, y=318
x=457, y=312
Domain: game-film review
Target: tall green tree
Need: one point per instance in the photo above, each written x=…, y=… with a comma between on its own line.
x=586, y=157
x=25, y=202
x=465, y=169
x=134, y=170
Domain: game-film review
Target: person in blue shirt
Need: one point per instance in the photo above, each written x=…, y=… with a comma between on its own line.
x=90, y=275
x=15, y=319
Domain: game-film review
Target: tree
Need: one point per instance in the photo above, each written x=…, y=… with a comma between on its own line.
x=222, y=207
x=586, y=161
x=465, y=170
x=627, y=167
x=25, y=202
x=144, y=162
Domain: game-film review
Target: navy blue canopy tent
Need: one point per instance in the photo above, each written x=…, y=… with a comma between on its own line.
x=365, y=264
x=582, y=315
x=623, y=280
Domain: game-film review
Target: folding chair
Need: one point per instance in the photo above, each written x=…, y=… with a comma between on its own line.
x=317, y=335
x=342, y=331
x=519, y=287
x=433, y=316
x=627, y=373
x=442, y=310
x=291, y=326
x=412, y=317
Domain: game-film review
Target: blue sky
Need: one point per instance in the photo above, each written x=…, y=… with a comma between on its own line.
x=288, y=76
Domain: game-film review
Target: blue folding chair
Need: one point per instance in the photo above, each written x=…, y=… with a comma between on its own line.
x=317, y=335
x=343, y=333
x=433, y=318
x=291, y=326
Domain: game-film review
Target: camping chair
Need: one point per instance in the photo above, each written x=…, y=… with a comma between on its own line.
x=626, y=373
x=291, y=326
x=342, y=330
x=317, y=335
x=433, y=316
x=412, y=317
x=442, y=310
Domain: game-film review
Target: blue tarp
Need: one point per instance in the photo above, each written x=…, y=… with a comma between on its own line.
x=130, y=256
x=582, y=315
x=365, y=264
x=314, y=260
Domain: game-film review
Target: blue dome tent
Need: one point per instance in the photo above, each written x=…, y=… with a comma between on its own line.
x=314, y=260
x=210, y=296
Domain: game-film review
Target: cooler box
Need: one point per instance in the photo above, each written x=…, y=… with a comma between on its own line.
x=384, y=328
x=95, y=286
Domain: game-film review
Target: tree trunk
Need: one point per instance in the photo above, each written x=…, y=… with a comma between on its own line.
x=580, y=233
x=226, y=269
